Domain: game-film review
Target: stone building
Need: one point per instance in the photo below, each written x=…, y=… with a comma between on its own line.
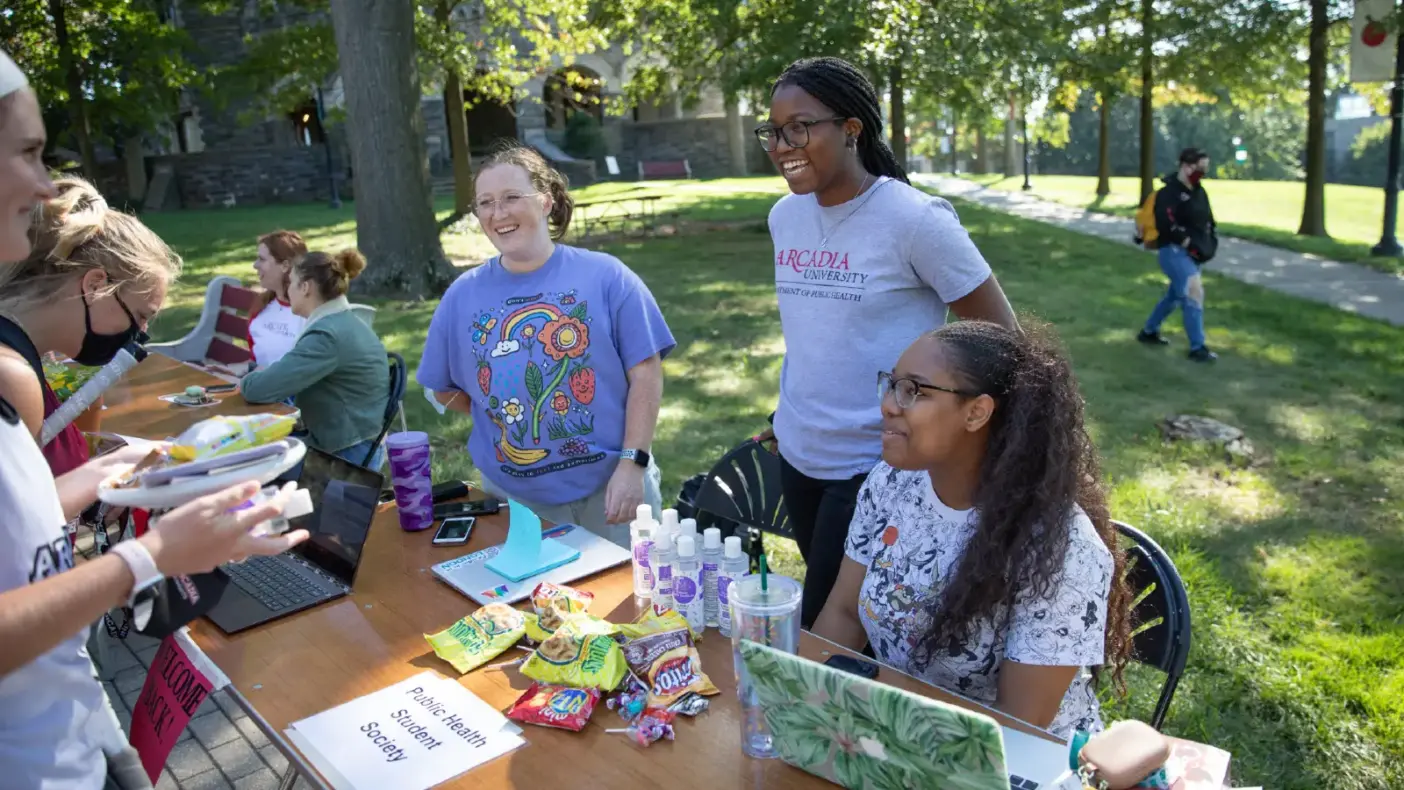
x=213, y=155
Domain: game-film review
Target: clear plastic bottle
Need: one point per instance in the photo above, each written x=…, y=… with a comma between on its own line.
x=734, y=565
x=641, y=542
x=687, y=584
x=661, y=558
x=688, y=526
x=670, y=521
x=711, y=564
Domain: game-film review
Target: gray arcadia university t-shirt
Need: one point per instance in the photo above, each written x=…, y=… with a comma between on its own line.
x=54, y=723
x=895, y=258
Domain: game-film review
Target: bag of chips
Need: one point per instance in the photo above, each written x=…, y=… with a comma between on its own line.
x=555, y=706
x=656, y=620
x=479, y=637
x=581, y=653
x=668, y=664
x=553, y=604
x=219, y=435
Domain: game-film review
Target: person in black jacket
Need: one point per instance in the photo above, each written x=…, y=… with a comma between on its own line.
x=1185, y=223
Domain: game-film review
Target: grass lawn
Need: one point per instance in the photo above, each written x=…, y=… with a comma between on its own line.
x=1263, y=211
x=1293, y=565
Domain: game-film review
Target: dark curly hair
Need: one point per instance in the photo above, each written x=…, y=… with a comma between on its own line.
x=1039, y=464
x=843, y=88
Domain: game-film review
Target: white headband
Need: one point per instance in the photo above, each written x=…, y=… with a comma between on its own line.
x=11, y=78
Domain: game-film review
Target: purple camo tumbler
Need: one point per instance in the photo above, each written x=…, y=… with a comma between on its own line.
x=410, y=476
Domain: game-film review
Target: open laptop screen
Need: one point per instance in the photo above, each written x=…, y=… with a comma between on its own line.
x=344, y=499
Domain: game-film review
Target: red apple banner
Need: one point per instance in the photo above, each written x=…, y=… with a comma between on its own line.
x=1372, y=45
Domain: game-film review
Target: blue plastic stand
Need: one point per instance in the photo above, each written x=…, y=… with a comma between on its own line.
x=526, y=553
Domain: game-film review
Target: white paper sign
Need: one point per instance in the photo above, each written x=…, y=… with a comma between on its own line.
x=410, y=736
x=1372, y=45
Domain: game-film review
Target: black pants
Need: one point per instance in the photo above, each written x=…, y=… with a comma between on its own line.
x=820, y=511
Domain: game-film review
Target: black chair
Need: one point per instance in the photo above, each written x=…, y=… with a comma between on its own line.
x=1160, y=614
x=744, y=487
x=399, y=376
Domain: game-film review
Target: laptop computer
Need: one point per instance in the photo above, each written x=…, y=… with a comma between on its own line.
x=323, y=567
x=897, y=739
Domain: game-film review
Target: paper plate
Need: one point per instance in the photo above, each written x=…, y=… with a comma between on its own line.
x=264, y=470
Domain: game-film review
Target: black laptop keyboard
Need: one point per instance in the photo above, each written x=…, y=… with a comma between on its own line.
x=274, y=582
x=1020, y=783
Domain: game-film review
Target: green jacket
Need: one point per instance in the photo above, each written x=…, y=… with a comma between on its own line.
x=336, y=374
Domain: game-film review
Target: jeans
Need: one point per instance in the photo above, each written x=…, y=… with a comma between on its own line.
x=820, y=512
x=589, y=512
x=356, y=454
x=1186, y=292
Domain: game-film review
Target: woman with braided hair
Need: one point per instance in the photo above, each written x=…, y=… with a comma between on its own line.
x=864, y=262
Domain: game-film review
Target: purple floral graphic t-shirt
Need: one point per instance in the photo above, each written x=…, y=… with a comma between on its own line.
x=544, y=357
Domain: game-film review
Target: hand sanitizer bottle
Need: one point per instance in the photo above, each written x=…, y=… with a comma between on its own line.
x=734, y=566
x=661, y=559
x=670, y=521
x=641, y=542
x=711, y=564
x=687, y=584
x=688, y=526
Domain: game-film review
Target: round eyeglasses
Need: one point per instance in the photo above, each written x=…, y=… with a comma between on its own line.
x=486, y=208
x=795, y=133
x=905, y=391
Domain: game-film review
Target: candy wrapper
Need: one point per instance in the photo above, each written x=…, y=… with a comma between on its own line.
x=581, y=653
x=653, y=724
x=690, y=704
x=479, y=637
x=656, y=620
x=555, y=706
x=630, y=700
x=668, y=664
x=65, y=380
x=219, y=435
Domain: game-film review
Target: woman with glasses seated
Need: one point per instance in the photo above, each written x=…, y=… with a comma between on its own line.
x=863, y=262
x=981, y=557
x=556, y=353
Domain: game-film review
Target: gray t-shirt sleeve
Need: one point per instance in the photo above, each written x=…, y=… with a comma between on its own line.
x=942, y=254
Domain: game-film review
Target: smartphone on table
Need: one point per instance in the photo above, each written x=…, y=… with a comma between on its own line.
x=854, y=666
x=454, y=531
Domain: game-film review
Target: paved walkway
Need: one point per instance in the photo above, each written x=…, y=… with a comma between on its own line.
x=1347, y=286
x=220, y=749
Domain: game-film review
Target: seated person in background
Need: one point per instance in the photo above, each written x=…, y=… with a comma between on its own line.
x=981, y=557
x=336, y=372
x=273, y=326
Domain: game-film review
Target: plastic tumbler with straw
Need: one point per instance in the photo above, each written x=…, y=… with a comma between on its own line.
x=765, y=608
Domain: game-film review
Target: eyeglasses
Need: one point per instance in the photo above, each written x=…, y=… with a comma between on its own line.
x=486, y=208
x=796, y=133
x=905, y=390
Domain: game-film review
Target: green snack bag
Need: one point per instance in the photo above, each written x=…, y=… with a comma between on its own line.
x=479, y=637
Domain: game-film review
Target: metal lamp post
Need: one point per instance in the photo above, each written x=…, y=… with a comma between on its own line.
x=1389, y=243
x=326, y=146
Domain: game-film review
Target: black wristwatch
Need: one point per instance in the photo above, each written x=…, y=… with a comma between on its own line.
x=639, y=457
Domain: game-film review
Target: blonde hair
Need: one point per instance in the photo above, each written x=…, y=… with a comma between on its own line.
x=76, y=232
x=332, y=274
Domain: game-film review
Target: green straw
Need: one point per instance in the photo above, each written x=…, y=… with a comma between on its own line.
x=765, y=586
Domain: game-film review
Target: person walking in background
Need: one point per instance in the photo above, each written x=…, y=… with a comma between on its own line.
x=273, y=326
x=864, y=262
x=1188, y=239
x=336, y=372
x=556, y=353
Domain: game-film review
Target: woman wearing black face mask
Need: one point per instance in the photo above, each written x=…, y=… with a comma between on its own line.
x=90, y=285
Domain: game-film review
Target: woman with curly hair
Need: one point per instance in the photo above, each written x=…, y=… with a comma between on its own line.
x=981, y=557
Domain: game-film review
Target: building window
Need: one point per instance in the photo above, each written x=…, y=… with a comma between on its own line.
x=572, y=90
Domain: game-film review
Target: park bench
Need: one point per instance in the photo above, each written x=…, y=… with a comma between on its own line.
x=668, y=168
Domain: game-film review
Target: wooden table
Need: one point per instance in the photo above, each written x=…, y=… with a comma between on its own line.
x=301, y=665
x=135, y=408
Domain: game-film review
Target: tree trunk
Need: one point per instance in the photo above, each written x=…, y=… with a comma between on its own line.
x=1104, y=145
x=899, y=115
x=1147, y=103
x=955, y=143
x=135, y=160
x=982, y=164
x=395, y=226
x=458, y=143
x=1314, y=209
x=735, y=135
x=1011, y=121
x=73, y=85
